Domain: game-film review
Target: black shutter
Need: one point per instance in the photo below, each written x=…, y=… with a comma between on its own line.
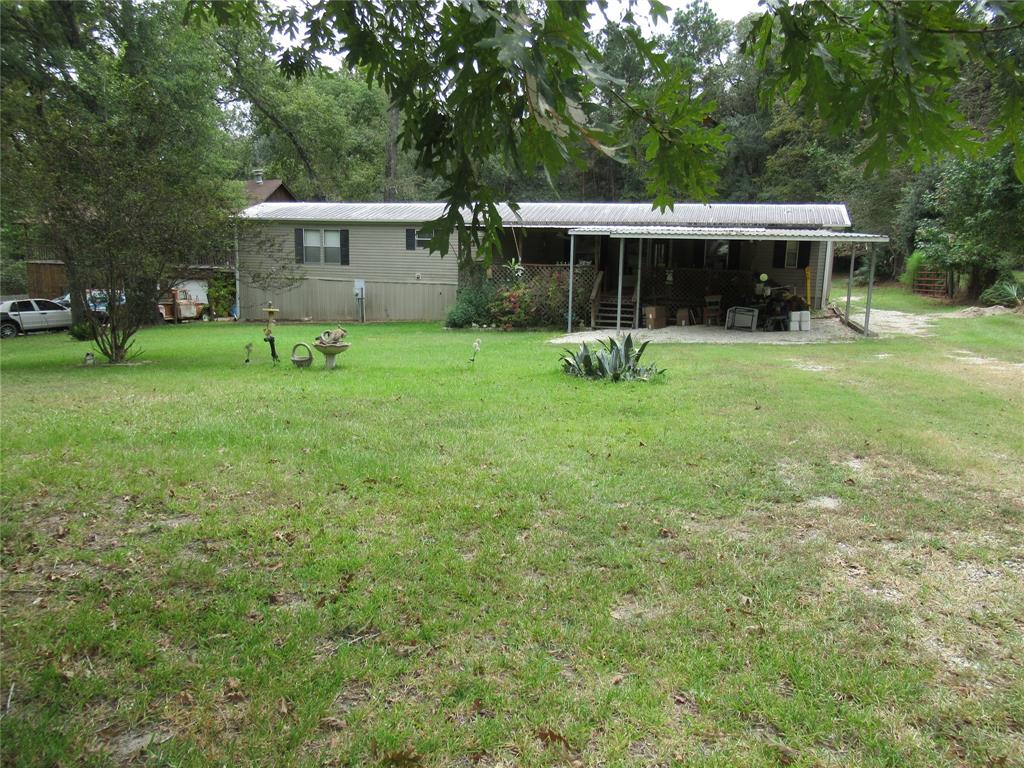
x=298, y=246
x=343, y=241
x=779, y=257
x=410, y=239
x=803, y=254
x=734, y=254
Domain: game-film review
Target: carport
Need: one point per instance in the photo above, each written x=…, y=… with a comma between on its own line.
x=646, y=236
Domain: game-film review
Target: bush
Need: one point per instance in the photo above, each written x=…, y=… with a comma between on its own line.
x=473, y=305
x=82, y=331
x=1005, y=293
x=513, y=307
x=221, y=293
x=613, y=361
x=914, y=263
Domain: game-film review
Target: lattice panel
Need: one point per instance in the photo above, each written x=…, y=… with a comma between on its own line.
x=548, y=287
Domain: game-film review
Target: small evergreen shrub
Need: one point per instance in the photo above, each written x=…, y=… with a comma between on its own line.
x=473, y=305
x=1005, y=293
x=914, y=263
x=82, y=331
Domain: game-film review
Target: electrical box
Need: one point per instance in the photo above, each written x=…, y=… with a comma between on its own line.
x=359, y=289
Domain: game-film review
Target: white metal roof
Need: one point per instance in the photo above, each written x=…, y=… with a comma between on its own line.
x=566, y=215
x=729, y=233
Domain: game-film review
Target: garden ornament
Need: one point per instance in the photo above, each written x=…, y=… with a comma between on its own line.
x=248, y=352
x=331, y=344
x=268, y=330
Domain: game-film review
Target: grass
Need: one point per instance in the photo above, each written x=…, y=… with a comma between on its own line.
x=889, y=296
x=805, y=555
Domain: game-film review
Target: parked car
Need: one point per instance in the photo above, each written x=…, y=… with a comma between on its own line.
x=25, y=315
x=97, y=302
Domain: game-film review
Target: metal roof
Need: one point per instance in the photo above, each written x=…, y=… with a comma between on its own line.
x=567, y=215
x=729, y=233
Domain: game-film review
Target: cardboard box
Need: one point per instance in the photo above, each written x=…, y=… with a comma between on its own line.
x=654, y=316
x=682, y=317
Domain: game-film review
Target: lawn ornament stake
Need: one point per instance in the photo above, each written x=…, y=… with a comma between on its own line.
x=248, y=352
x=268, y=330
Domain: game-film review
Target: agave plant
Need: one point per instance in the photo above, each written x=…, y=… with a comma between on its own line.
x=613, y=360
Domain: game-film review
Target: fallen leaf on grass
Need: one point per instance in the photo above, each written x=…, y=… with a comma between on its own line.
x=401, y=758
x=282, y=706
x=553, y=738
x=785, y=755
x=331, y=724
x=232, y=690
x=686, y=702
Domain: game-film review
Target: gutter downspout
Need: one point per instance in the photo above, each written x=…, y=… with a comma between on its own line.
x=238, y=282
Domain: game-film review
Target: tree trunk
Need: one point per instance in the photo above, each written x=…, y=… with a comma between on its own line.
x=391, y=155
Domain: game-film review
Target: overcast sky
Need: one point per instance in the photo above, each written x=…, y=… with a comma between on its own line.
x=732, y=10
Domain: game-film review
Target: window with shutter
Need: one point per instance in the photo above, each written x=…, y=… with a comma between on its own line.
x=332, y=246
x=311, y=242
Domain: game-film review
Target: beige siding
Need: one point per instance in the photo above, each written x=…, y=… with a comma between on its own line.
x=400, y=284
x=762, y=262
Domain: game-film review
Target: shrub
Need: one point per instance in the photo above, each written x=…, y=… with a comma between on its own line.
x=514, y=307
x=82, y=331
x=473, y=305
x=221, y=293
x=914, y=263
x=613, y=361
x=1005, y=293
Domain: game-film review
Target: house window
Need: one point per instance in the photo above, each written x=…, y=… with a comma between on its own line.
x=717, y=255
x=325, y=246
x=416, y=238
x=792, y=254
x=311, y=241
x=332, y=246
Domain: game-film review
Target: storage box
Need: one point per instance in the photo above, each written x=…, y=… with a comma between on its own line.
x=654, y=315
x=682, y=317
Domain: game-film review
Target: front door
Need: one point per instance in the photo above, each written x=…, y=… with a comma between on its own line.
x=53, y=314
x=25, y=313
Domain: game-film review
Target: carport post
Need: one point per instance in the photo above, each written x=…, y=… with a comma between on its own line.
x=639, y=271
x=849, y=287
x=572, y=269
x=871, y=284
x=618, y=306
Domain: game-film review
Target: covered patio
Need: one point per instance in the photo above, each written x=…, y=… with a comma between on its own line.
x=695, y=275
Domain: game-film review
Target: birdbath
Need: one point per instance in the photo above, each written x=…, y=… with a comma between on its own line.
x=330, y=344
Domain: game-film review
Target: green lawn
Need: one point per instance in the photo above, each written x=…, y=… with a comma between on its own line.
x=796, y=555
x=889, y=296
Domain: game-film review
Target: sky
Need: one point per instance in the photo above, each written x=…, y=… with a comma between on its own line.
x=731, y=10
